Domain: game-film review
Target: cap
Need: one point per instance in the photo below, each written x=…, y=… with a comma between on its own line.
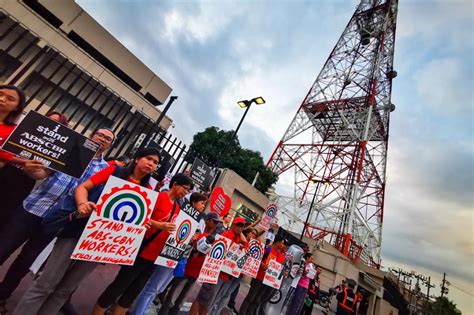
x=239, y=220
x=213, y=216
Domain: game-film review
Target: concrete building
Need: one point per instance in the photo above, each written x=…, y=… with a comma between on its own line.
x=66, y=61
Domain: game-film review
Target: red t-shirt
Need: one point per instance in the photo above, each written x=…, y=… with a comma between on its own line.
x=234, y=238
x=274, y=254
x=5, y=131
x=102, y=176
x=161, y=213
x=194, y=264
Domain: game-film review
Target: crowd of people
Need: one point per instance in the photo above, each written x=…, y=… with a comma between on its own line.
x=41, y=207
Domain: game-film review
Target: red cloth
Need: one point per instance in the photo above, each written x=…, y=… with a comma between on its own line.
x=5, y=131
x=274, y=254
x=103, y=176
x=230, y=234
x=194, y=264
x=161, y=213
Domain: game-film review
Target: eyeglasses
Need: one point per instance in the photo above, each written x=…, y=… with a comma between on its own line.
x=104, y=137
x=186, y=188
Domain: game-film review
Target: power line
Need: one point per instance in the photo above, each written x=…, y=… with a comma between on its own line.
x=462, y=289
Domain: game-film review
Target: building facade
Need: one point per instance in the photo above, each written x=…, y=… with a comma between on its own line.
x=65, y=61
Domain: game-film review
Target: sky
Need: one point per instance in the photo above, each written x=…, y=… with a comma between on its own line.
x=215, y=53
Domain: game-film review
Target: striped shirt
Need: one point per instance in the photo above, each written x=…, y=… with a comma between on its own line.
x=40, y=200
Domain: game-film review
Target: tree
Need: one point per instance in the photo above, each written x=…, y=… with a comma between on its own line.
x=220, y=149
x=442, y=306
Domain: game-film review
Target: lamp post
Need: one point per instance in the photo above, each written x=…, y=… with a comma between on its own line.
x=246, y=104
x=318, y=182
x=243, y=104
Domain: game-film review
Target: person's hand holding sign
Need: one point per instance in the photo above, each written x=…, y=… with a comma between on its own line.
x=36, y=169
x=85, y=209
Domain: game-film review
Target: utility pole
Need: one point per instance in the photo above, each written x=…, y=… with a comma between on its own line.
x=444, y=285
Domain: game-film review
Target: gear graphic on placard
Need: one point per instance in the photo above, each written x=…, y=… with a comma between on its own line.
x=127, y=203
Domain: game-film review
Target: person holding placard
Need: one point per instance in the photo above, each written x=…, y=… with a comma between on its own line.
x=209, y=292
x=309, y=273
x=25, y=224
x=131, y=280
x=61, y=275
x=201, y=246
x=226, y=297
x=259, y=294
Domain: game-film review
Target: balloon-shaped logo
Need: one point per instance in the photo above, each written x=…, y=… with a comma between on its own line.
x=183, y=231
x=127, y=204
x=218, y=250
x=220, y=203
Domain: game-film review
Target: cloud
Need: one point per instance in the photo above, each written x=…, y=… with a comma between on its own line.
x=446, y=85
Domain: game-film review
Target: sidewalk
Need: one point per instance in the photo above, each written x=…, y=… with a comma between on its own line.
x=90, y=289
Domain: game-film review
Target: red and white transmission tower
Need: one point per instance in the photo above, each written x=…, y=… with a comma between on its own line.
x=337, y=142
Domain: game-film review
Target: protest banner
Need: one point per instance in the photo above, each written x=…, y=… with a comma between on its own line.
x=115, y=231
x=273, y=275
x=214, y=259
x=234, y=260
x=201, y=174
x=175, y=246
x=255, y=255
x=220, y=203
x=58, y=147
x=268, y=217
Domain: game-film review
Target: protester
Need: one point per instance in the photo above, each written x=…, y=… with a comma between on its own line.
x=12, y=103
x=226, y=295
x=259, y=293
x=299, y=295
x=193, y=267
x=312, y=294
x=131, y=280
x=210, y=292
x=25, y=224
x=346, y=299
x=13, y=175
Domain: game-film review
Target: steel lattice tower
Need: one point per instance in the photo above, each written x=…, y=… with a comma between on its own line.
x=337, y=142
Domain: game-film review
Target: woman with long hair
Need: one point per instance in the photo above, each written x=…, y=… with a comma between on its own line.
x=61, y=275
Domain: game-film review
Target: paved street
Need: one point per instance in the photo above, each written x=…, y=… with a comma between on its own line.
x=87, y=293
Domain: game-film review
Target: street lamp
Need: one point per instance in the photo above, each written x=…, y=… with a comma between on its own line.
x=246, y=104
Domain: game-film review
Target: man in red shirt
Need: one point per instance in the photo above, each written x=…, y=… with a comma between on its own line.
x=259, y=293
x=193, y=266
x=209, y=292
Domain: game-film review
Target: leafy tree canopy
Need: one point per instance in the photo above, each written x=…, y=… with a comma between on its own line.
x=442, y=306
x=217, y=148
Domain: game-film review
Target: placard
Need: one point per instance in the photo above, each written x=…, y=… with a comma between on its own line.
x=214, y=259
x=201, y=174
x=268, y=217
x=234, y=260
x=220, y=202
x=255, y=255
x=116, y=229
x=58, y=147
x=175, y=246
x=273, y=275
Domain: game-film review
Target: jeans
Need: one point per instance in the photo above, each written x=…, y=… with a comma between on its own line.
x=158, y=281
x=222, y=298
x=296, y=303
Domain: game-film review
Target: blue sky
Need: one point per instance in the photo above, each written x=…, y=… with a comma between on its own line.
x=214, y=53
